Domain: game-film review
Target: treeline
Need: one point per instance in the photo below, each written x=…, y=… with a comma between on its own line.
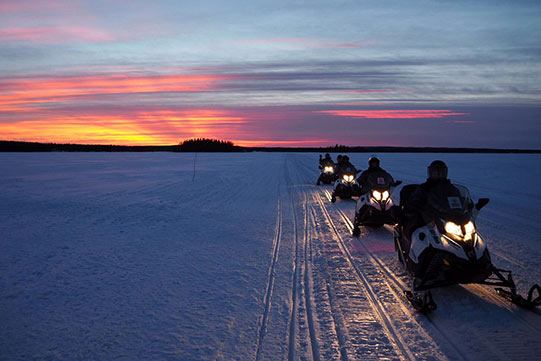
x=216, y=145
x=15, y=146
x=208, y=145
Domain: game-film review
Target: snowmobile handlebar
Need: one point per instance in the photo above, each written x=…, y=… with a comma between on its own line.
x=481, y=203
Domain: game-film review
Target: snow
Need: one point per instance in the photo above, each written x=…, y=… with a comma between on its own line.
x=122, y=256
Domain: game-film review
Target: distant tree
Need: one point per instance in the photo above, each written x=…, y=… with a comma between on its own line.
x=339, y=148
x=207, y=145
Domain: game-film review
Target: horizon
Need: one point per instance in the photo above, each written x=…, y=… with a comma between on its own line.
x=337, y=147
x=300, y=74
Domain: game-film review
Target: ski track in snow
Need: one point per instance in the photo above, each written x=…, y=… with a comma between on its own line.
x=121, y=256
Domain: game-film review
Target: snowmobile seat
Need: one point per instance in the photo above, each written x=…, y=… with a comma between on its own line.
x=406, y=192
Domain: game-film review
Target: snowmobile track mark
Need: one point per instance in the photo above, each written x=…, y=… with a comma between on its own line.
x=308, y=282
x=271, y=275
x=301, y=272
x=401, y=286
x=337, y=318
x=294, y=285
x=376, y=303
x=398, y=285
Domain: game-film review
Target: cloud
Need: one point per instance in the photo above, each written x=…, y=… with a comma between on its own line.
x=392, y=114
x=147, y=127
x=31, y=91
x=7, y=6
x=368, y=91
x=281, y=143
x=55, y=34
x=300, y=43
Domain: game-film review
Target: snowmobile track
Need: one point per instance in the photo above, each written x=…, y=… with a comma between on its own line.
x=294, y=286
x=302, y=272
x=376, y=303
x=398, y=286
x=308, y=282
x=270, y=280
x=475, y=289
x=335, y=314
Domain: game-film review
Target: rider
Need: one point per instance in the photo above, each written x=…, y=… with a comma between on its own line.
x=344, y=166
x=416, y=204
x=327, y=161
x=374, y=175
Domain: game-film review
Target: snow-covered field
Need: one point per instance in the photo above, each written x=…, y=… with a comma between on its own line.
x=132, y=256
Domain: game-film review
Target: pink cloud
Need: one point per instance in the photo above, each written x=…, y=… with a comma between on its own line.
x=363, y=91
x=391, y=114
x=369, y=103
x=281, y=143
x=55, y=34
x=28, y=5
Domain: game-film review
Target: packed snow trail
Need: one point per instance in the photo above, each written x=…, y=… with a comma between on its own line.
x=121, y=256
x=508, y=341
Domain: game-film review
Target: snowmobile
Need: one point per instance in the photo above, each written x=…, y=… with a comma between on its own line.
x=377, y=206
x=328, y=174
x=346, y=185
x=442, y=247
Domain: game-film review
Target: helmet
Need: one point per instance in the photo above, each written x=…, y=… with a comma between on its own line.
x=345, y=158
x=373, y=159
x=327, y=156
x=437, y=170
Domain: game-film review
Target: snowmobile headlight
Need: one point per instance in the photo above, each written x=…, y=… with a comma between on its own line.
x=348, y=178
x=384, y=195
x=469, y=230
x=462, y=232
x=453, y=229
x=377, y=195
x=469, y=227
x=328, y=169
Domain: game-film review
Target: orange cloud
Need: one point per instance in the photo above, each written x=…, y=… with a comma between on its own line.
x=391, y=114
x=20, y=93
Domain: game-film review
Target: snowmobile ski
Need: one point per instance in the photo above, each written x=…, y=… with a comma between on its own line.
x=424, y=304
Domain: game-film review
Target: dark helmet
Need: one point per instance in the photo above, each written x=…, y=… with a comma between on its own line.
x=437, y=170
x=327, y=156
x=373, y=160
x=345, y=158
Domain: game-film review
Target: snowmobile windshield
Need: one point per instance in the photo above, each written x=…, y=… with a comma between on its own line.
x=349, y=170
x=451, y=202
x=328, y=162
x=379, y=181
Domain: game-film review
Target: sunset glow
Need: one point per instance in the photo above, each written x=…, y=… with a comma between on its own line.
x=278, y=74
x=144, y=128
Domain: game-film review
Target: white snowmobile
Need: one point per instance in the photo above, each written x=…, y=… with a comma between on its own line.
x=377, y=206
x=443, y=247
x=346, y=185
x=327, y=175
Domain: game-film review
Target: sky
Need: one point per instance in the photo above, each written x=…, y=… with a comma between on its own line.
x=272, y=73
